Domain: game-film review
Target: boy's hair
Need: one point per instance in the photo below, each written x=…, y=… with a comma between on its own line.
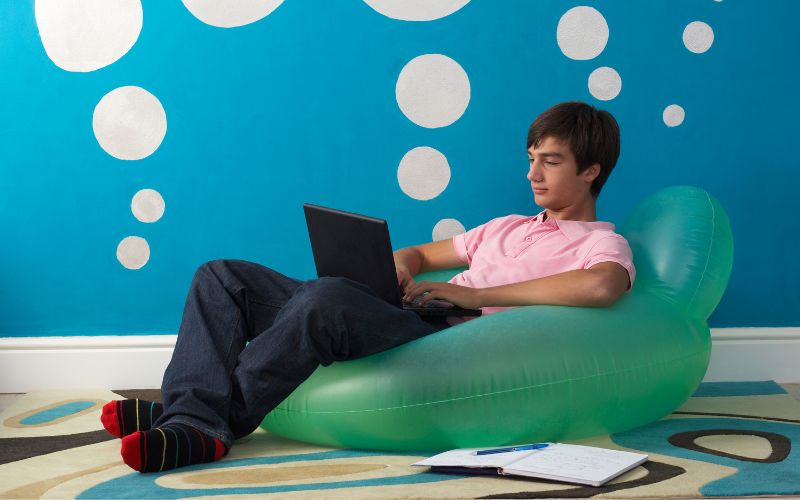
x=592, y=135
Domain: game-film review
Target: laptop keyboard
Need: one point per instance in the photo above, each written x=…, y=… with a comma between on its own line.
x=415, y=302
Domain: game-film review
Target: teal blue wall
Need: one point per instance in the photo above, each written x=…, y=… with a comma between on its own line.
x=300, y=107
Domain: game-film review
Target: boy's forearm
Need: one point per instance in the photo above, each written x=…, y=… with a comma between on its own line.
x=410, y=258
x=582, y=287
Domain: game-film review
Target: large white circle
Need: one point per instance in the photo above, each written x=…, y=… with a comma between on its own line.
x=133, y=252
x=582, y=33
x=129, y=123
x=446, y=229
x=432, y=90
x=698, y=37
x=605, y=83
x=147, y=205
x=673, y=115
x=416, y=10
x=85, y=35
x=231, y=13
x=423, y=173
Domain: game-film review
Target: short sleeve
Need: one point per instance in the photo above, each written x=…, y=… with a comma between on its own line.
x=612, y=248
x=466, y=244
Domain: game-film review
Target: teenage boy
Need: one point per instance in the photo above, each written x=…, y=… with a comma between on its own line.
x=250, y=335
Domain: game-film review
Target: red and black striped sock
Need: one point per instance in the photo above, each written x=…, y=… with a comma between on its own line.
x=123, y=417
x=169, y=447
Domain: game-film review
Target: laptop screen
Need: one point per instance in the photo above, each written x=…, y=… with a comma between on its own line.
x=353, y=246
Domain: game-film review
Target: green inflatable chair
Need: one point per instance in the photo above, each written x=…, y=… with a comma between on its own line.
x=539, y=373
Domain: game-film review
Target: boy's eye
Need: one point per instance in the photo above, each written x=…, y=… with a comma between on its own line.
x=551, y=163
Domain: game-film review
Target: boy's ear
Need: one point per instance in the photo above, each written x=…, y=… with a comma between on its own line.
x=591, y=173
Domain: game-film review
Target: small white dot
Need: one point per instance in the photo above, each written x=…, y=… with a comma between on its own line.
x=423, y=173
x=673, y=115
x=129, y=123
x=416, y=10
x=147, y=205
x=133, y=252
x=605, y=83
x=446, y=229
x=231, y=13
x=432, y=90
x=582, y=33
x=698, y=37
x=86, y=35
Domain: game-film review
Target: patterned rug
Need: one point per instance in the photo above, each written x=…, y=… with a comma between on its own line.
x=729, y=439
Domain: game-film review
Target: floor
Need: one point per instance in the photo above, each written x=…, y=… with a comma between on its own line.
x=793, y=389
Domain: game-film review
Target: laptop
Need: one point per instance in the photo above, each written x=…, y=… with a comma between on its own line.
x=357, y=247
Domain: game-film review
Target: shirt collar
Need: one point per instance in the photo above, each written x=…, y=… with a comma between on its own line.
x=574, y=229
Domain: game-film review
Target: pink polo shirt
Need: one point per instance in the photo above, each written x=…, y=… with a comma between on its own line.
x=518, y=248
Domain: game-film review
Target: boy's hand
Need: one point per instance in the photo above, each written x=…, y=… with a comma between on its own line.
x=404, y=278
x=462, y=296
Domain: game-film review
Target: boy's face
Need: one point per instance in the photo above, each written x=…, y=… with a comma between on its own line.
x=553, y=178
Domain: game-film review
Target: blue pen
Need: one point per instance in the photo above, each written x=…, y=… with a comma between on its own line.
x=522, y=447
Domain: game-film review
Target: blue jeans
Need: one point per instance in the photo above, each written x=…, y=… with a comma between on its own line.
x=250, y=335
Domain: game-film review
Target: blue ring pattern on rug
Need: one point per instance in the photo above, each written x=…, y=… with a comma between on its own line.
x=724, y=389
x=137, y=485
x=752, y=478
x=61, y=411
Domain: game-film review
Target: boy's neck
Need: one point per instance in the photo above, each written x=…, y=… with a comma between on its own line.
x=585, y=212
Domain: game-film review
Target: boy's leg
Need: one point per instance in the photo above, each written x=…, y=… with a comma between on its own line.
x=230, y=302
x=327, y=320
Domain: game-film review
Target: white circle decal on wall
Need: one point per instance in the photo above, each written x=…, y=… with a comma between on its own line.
x=86, y=35
x=605, y=83
x=698, y=37
x=447, y=228
x=433, y=90
x=129, y=123
x=582, y=33
x=673, y=115
x=231, y=13
x=133, y=252
x=147, y=205
x=416, y=10
x=423, y=173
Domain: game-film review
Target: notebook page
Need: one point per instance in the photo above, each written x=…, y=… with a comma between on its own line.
x=465, y=458
x=576, y=461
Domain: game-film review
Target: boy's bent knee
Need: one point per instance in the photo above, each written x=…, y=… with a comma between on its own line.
x=328, y=295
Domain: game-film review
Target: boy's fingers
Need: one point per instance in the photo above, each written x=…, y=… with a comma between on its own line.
x=411, y=291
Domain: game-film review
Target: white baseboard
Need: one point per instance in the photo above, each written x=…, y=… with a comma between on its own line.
x=104, y=362
x=138, y=361
x=754, y=354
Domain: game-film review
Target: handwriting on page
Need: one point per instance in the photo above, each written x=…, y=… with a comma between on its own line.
x=566, y=460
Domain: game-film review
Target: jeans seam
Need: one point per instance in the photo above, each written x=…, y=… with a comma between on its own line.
x=233, y=340
x=278, y=306
x=235, y=327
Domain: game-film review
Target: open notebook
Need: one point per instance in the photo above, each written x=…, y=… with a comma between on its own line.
x=559, y=462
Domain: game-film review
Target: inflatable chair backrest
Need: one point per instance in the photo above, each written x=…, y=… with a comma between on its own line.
x=682, y=248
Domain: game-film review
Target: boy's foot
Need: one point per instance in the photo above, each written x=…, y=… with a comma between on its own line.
x=126, y=416
x=169, y=447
